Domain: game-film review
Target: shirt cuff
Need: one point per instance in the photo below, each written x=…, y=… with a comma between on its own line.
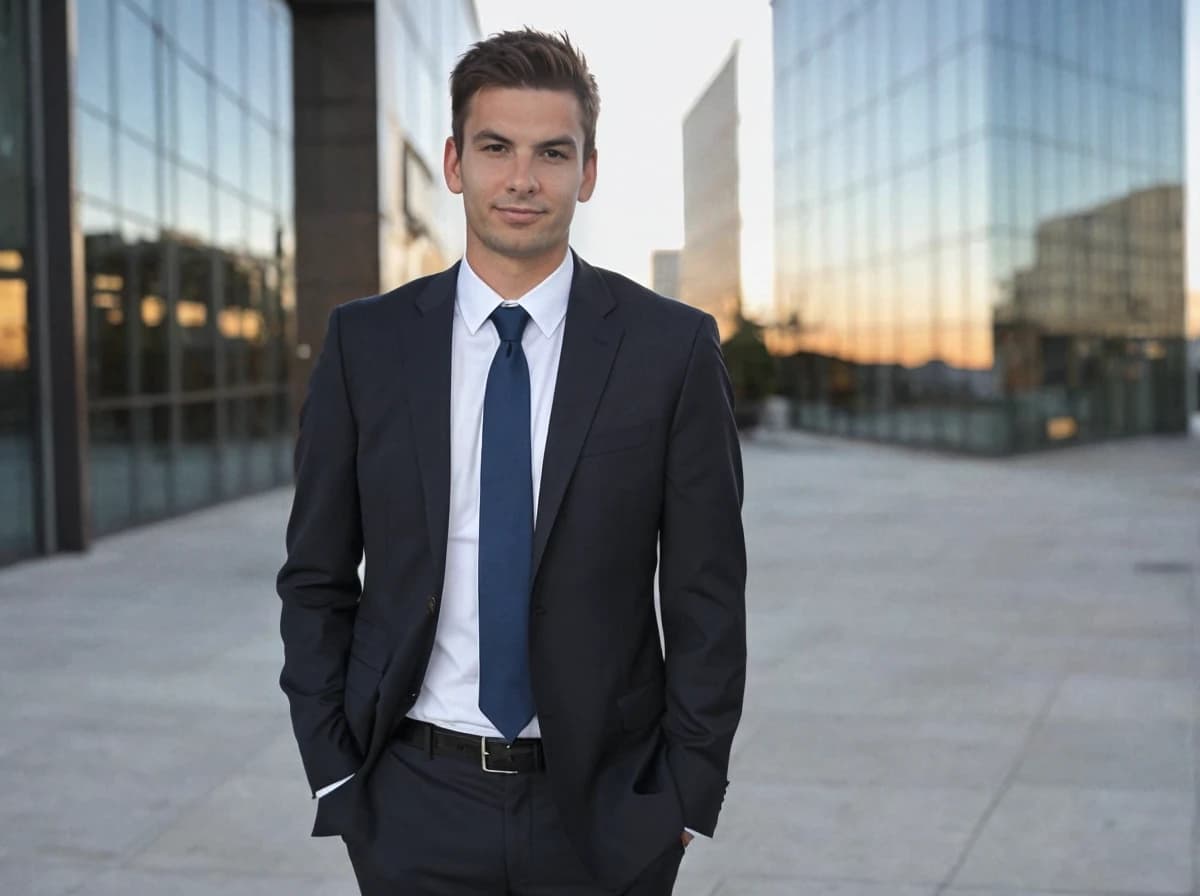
x=697, y=834
x=332, y=787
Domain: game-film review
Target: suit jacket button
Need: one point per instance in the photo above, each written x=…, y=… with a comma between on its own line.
x=432, y=604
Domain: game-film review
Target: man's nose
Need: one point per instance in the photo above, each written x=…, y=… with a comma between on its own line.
x=521, y=178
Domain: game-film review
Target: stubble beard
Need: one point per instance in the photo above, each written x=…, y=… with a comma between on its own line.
x=521, y=245
x=529, y=247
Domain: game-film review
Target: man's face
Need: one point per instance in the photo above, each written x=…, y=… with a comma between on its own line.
x=520, y=171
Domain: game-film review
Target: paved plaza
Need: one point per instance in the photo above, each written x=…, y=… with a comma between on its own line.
x=967, y=677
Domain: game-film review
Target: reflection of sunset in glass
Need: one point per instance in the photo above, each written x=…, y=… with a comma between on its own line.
x=191, y=314
x=14, y=345
x=978, y=221
x=154, y=310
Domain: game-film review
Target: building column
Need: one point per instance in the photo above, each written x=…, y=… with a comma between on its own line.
x=337, y=173
x=58, y=320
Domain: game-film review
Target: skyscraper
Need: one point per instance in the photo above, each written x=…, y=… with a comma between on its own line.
x=979, y=219
x=710, y=269
x=665, y=272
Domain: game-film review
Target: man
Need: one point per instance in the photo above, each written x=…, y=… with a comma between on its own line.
x=515, y=444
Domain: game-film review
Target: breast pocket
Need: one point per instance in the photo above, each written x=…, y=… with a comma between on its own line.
x=618, y=438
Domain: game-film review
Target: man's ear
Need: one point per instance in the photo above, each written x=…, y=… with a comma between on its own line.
x=589, y=177
x=452, y=166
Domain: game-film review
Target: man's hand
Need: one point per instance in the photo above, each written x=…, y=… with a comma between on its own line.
x=686, y=838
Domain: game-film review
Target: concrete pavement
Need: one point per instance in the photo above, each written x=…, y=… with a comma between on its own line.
x=967, y=677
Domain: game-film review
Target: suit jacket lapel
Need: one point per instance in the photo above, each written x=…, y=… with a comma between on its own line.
x=427, y=338
x=590, y=344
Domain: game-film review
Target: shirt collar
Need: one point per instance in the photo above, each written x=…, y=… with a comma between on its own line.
x=546, y=303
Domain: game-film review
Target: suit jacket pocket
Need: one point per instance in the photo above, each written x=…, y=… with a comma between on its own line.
x=618, y=438
x=643, y=706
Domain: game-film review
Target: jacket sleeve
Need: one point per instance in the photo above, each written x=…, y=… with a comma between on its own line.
x=702, y=582
x=318, y=584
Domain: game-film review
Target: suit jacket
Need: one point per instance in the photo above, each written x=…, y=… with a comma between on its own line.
x=642, y=467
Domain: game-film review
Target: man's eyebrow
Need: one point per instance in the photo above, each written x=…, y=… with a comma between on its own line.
x=564, y=140
x=491, y=137
x=488, y=136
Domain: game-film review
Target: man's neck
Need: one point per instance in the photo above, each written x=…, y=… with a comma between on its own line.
x=511, y=278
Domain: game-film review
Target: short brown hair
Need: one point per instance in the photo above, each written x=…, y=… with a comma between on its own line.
x=525, y=58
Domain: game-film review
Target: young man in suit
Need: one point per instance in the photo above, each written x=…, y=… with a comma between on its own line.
x=516, y=443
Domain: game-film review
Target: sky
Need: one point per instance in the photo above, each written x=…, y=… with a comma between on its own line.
x=652, y=59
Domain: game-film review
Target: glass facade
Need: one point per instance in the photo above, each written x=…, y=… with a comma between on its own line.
x=979, y=219
x=183, y=162
x=418, y=44
x=17, y=439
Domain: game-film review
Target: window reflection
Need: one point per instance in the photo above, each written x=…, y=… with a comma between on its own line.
x=94, y=156
x=110, y=461
x=195, y=319
x=191, y=110
x=152, y=460
x=190, y=28
x=196, y=469
x=232, y=471
x=137, y=79
x=139, y=179
x=169, y=271
x=194, y=216
x=93, y=59
x=147, y=309
x=229, y=28
x=1011, y=275
x=261, y=162
x=229, y=137
x=261, y=434
x=107, y=310
x=259, y=64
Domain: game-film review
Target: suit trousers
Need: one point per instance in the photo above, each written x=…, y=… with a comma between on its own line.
x=445, y=827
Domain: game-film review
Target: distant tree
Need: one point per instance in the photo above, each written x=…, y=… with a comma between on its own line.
x=752, y=368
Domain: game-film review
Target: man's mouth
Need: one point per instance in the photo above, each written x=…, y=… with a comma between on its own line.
x=515, y=214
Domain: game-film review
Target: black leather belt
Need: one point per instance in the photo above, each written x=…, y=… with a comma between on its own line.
x=493, y=754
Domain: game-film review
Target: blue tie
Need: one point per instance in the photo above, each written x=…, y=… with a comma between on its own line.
x=506, y=533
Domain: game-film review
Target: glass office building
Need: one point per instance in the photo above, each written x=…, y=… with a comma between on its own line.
x=979, y=219
x=167, y=264
x=184, y=197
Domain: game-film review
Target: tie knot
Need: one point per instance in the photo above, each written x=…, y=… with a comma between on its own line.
x=510, y=322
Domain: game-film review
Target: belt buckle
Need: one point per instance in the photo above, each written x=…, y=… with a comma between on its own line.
x=483, y=758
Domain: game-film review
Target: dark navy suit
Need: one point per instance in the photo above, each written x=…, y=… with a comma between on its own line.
x=641, y=447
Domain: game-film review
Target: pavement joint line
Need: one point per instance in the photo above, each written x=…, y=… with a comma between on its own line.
x=1005, y=785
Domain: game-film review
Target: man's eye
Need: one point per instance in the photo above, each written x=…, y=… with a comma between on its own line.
x=555, y=154
x=494, y=147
